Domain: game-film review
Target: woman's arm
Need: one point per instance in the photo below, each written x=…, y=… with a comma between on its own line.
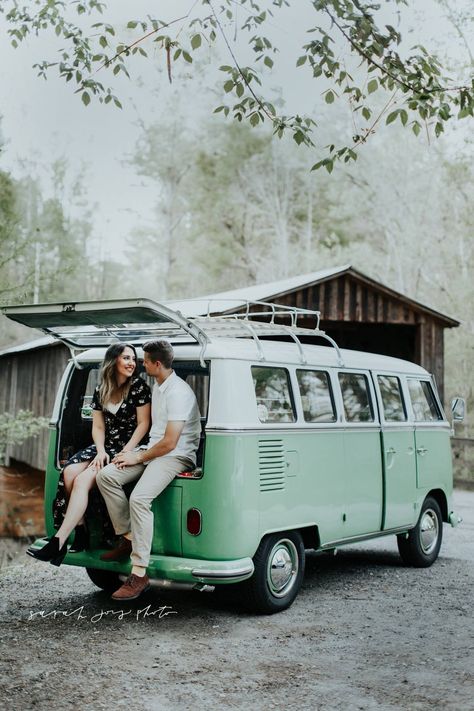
x=143, y=425
x=98, y=437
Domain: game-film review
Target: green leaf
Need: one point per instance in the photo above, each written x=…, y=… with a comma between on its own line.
x=298, y=137
x=132, y=24
x=254, y=119
x=86, y=99
x=329, y=97
x=228, y=86
x=268, y=61
x=187, y=57
x=196, y=41
x=301, y=60
x=372, y=86
x=366, y=113
x=403, y=117
x=391, y=117
x=239, y=89
x=416, y=128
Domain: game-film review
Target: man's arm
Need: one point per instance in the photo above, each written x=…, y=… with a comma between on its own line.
x=166, y=444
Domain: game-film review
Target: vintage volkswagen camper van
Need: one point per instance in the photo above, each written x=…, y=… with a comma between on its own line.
x=303, y=446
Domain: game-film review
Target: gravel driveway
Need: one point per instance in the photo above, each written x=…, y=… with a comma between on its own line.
x=364, y=633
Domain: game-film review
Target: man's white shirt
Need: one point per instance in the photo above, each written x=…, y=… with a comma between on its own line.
x=174, y=401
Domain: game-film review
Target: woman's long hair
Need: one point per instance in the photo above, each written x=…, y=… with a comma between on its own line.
x=108, y=376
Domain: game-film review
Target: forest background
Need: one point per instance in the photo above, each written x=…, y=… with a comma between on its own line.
x=164, y=199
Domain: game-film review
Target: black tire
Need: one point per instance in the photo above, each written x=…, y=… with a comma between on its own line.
x=104, y=579
x=279, y=570
x=420, y=546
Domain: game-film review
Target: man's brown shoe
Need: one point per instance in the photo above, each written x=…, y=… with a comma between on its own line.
x=120, y=552
x=132, y=587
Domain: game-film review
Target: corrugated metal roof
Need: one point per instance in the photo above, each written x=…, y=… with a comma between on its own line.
x=228, y=300
x=223, y=301
x=30, y=345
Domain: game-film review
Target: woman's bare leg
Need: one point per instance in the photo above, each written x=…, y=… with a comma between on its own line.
x=77, y=505
x=71, y=472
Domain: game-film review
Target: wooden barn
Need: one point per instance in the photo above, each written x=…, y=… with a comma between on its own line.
x=356, y=310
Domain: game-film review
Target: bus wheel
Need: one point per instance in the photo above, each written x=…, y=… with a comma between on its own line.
x=104, y=579
x=420, y=546
x=279, y=569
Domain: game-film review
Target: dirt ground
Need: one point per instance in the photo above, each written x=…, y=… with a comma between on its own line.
x=364, y=633
x=21, y=501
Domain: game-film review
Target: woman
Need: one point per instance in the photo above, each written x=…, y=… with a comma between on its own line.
x=120, y=421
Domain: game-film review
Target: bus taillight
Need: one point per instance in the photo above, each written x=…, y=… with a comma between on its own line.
x=194, y=522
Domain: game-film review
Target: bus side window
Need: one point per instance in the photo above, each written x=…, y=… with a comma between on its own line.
x=199, y=383
x=423, y=401
x=273, y=393
x=392, y=400
x=356, y=398
x=316, y=396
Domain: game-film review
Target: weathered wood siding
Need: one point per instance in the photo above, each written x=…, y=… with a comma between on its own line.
x=29, y=381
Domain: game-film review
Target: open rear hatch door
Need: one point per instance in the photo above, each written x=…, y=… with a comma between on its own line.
x=90, y=324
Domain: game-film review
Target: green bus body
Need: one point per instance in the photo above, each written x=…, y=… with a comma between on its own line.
x=334, y=483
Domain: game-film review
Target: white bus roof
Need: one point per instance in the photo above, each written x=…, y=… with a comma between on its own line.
x=280, y=353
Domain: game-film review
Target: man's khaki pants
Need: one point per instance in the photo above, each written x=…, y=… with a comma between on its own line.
x=135, y=515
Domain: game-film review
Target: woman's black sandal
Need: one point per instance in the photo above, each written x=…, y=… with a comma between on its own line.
x=51, y=552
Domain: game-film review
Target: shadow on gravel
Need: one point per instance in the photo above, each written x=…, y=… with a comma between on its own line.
x=325, y=572
x=68, y=593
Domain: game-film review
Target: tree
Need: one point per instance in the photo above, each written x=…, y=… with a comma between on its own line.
x=13, y=240
x=417, y=92
x=231, y=208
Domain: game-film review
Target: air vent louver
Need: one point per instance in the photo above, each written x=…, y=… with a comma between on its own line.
x=271, y=458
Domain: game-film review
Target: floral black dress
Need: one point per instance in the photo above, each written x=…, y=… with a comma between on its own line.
x=119, y=428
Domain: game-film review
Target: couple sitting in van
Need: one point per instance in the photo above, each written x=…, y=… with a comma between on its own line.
x=121, y=420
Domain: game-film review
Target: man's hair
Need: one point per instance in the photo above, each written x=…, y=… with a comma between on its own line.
x=159, y=350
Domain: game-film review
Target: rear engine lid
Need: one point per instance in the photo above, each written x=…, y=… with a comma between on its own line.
x=90, y=324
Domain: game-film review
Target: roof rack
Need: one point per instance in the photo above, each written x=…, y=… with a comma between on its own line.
x=259, y=319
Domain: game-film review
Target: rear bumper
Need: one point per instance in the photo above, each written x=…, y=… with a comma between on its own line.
x=186, y=570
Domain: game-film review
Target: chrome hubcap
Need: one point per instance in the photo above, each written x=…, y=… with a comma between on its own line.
x=282, y=567
x=429, y=531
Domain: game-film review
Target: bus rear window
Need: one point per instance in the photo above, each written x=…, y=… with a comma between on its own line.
x=273, y=393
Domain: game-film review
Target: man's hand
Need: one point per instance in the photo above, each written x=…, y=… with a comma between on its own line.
x=126, y=459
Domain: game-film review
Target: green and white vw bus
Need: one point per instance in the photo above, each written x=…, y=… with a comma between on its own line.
x=303, y=446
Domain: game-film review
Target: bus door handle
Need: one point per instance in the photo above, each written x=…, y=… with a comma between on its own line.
x=391, y=450
x=421, y=450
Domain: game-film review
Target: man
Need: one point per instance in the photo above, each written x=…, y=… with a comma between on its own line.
x=174, y=439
